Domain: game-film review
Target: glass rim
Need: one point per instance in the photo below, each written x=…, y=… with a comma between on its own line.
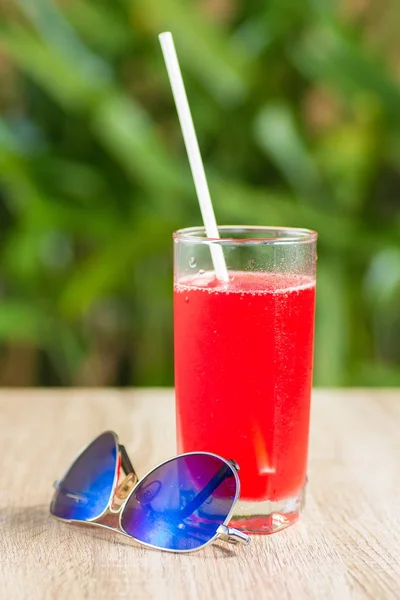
x=284, y=235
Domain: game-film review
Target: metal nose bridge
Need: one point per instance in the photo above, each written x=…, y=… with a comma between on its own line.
x=126, y=486
x=110, y=519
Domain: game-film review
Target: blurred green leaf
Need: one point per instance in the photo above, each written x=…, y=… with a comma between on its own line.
x=101, y=25
x=53, y=28
x=117, y=120
x=215, y=59
x=107, y=269
x=332, y=325
x=348, y=157
x=375, y=375
x=127, y=132
x=75, y=85
x=21, y=322
x=382, y=280
x=277, y=133
x=326, y=53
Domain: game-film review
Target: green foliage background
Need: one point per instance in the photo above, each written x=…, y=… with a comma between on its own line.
x=297, y=109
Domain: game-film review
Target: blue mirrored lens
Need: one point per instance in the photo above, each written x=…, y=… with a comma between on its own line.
x=85, y=491
x=180, y=505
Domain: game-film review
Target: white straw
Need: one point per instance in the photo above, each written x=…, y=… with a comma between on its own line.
x=193, y=151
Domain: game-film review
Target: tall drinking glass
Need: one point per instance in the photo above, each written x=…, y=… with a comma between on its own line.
x=243, y=361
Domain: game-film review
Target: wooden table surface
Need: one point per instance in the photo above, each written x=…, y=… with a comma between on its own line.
x=347, y=544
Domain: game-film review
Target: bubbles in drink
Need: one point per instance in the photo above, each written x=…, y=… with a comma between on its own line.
x=192, y=262
x=187, y=299
x=249, y=338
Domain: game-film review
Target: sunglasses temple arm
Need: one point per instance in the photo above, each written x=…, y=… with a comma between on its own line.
x=202, y=496
x=227, y=534
x=126, y=462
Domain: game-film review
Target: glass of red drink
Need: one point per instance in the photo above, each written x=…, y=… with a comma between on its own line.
x=243, y=361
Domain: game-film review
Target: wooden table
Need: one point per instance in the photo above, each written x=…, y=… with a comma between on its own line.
x=346, y=546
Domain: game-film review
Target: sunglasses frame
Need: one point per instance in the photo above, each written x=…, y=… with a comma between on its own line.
x=111, y=517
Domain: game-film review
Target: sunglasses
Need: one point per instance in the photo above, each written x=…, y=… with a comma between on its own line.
x=182, y=505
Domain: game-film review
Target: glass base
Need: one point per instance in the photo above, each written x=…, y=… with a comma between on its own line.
x=268, y=516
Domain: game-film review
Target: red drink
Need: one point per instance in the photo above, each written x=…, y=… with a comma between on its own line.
x=243, y=372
